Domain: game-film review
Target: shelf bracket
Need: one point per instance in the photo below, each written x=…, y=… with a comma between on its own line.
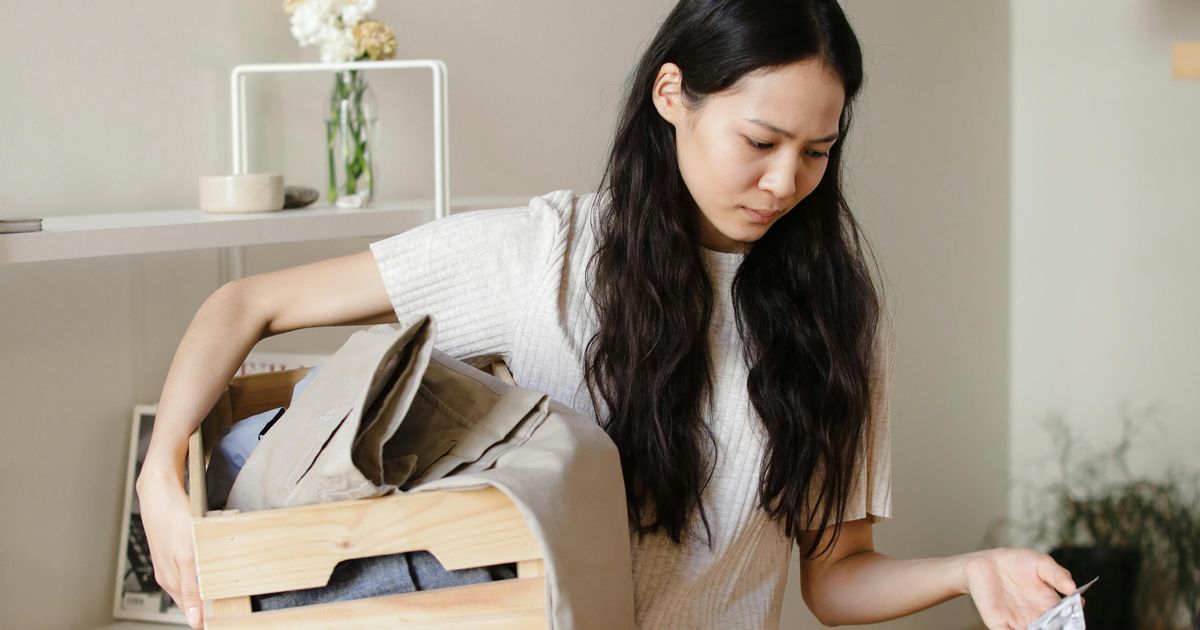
x=233, y=259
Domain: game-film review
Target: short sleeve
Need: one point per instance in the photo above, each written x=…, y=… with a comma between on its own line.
x=871, y=493
x=472, y=272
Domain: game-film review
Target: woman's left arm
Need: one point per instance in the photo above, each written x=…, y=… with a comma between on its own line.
x=853, y=584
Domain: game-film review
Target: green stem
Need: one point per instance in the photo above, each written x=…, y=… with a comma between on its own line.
x=331, y=135
x=348, y=125
x=351, y=184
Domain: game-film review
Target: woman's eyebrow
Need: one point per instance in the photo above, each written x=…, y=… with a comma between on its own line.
x=789, y=135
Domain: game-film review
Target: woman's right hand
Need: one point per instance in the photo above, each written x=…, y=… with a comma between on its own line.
x=167, y=518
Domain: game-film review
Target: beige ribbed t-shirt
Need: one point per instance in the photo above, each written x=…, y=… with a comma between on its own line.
x=513, y=281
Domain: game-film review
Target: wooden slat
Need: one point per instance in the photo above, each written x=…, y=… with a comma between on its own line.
x=231, y=607
x=242, y=554
x=531, y=568
x=492, y=364
x=255, y=393
x=1186, y=60
x=500, y=370
x=293, y=548
x=197, y=492
x=517, y=603
x=245, y=396
x=214, y=424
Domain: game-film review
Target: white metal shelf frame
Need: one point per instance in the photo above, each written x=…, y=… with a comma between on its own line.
x=441, y=118
x=233, y=261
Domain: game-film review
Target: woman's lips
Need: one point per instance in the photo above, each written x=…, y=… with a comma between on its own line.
x=761, y=217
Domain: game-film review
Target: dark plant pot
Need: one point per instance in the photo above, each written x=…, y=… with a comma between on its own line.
x=1110, y=600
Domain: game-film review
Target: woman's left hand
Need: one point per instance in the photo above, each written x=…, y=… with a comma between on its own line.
x=1013, y=587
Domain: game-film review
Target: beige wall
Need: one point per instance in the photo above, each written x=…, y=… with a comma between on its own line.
x=118, y=108
x=930, y=170
x=1106, y=208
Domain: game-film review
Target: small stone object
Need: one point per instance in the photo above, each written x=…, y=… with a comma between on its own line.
x=246, y=192
x=299, y=196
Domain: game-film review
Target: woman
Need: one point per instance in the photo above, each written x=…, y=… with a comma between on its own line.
x=711, y=307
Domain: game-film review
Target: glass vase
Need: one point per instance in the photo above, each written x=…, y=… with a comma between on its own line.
x=350, y=132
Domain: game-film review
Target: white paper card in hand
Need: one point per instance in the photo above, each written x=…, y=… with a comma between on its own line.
x=1067, y=614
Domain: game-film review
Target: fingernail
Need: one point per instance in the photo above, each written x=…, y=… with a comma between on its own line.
x=193, y=616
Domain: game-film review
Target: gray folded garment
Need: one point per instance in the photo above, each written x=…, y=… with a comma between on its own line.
x=383, y=575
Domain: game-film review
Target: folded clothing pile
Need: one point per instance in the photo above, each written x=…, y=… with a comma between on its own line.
x=353, y=579
x=389, y=413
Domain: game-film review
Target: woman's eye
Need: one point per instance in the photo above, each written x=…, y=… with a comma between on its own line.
x=818, y=154
x=759, y=145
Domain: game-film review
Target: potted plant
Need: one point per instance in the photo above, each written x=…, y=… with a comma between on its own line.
x=1139, y=534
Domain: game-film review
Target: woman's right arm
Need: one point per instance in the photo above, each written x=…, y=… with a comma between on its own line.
x=335, y=292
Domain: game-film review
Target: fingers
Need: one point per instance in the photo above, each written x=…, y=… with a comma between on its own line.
x=1046, y=600
x=167, y=578
x=1055, y=575
x=167, y=521
x=189, y=589
x=1022, y=588
x=1051, y=573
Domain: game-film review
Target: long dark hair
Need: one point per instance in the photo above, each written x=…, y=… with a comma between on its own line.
x=806, y=306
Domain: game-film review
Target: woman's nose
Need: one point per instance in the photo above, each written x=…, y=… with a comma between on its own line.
x=780, y=179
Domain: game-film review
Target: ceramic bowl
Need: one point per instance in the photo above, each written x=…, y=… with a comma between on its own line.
x=251, y=192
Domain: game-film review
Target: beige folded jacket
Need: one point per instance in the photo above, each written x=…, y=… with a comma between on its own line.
x=390, y=413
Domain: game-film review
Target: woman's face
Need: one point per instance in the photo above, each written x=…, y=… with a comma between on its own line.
x=751, y=153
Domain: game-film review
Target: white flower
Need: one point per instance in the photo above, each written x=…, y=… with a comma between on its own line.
x=354, y=11
x=351, y=15
x=307, y=23
x=329, y=24
x=339, y=49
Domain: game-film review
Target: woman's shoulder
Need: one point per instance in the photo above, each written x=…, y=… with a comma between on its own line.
x=564, y=219
x=545, y=232
x=565, y=207
x=552, y=213
x=576, y=219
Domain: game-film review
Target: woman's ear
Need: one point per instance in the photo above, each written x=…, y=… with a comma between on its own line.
x=668, y=93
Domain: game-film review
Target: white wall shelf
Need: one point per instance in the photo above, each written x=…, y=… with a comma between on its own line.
x=92, y=235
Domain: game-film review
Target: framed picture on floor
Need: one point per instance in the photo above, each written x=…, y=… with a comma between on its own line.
x=138, y=595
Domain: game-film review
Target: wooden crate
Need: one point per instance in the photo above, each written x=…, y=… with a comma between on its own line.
x=255, y=553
